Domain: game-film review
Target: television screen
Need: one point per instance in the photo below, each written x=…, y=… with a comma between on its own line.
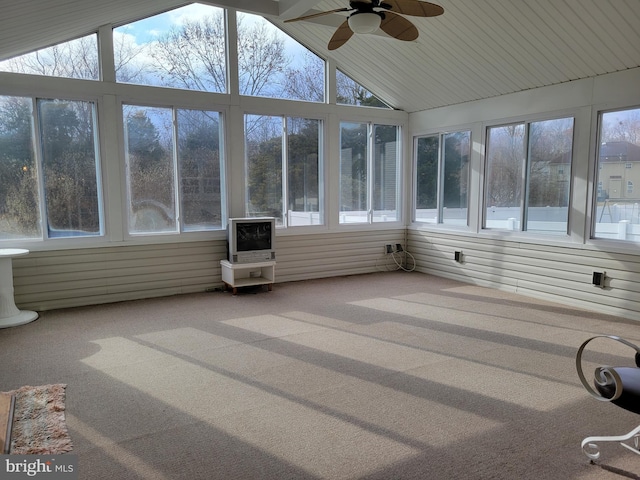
x=253, y=236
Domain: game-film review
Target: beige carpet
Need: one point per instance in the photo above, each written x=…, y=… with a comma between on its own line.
x=39, y=426
x=384, y=376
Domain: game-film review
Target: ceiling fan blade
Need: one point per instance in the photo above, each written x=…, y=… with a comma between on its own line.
x=398, y=27
x=318, y=14
x=341, y=35
x=415, y=8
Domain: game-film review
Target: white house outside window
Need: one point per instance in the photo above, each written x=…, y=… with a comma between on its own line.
x=528, y=176
x=616, y=209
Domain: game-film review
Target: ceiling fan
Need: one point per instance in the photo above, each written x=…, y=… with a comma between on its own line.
x=369, y=15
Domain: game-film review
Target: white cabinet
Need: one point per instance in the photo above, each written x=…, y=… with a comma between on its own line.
x=236, y=275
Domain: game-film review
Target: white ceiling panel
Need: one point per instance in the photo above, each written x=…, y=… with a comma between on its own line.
x=477, y=49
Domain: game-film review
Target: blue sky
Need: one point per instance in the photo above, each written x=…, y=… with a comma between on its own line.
x=149, y=29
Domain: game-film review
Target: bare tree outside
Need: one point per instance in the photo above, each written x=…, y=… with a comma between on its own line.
x=190, y=54
x=305, y=81
x=505, y=152
x=193, y=55
x=126, y=53
x=74, y=59
x=350, y=92
x=262, y=60
x=618, y=174
x=621, y=127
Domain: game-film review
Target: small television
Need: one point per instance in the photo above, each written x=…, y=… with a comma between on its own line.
x=251, y=240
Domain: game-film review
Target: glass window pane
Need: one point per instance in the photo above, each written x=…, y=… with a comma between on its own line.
x=549, y=176
x=74, y=59
x=504, y=180
x=385, y=173
x=19, y=203
x=199, y=167
x=272, y=64
x=69, y=161
x=184, y=48
x=455, y=177
x=427, y=150
x=264, y=166
x=616, y=213
x=353, y=173
x=150, y=169
x=303, y=172
x=350, y=92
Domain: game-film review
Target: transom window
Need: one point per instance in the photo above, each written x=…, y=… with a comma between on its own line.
x=184, y=48
x=272, y=64
x=350, y=92
x=73, y=59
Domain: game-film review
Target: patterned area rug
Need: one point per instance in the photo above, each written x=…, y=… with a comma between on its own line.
x=39, y=426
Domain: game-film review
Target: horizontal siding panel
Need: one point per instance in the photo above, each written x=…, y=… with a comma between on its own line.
x=560, y=274
x=557, y=254
x=327, y=255
x=573, y=266
x=68, y=278
x=539, y=280
x=45, y=280
x=480, y=279
x=114, y=271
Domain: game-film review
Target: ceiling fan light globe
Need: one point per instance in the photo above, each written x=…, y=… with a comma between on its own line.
x=365, y=22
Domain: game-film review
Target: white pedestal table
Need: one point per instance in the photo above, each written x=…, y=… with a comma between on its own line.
x=10, y=315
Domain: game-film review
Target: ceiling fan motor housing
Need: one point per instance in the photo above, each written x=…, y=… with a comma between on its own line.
x=389, y=18
x=365, y=22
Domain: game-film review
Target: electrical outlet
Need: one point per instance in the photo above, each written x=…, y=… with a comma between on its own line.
x=599, y=279
x=388, y=248
x=399, y=247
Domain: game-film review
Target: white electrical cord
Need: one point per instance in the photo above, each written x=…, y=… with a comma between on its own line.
x=403, y=255
x=399, y=259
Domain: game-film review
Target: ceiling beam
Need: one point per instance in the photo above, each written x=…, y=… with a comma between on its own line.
x=295, y=8
x=330, y=20
x=259, y=7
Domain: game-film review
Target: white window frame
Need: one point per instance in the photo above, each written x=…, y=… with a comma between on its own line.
x=44, y=241
x=179, y=232
x=371, y=124
x=286, y=223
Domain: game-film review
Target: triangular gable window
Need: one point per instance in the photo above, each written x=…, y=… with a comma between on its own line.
x=183, y=48
x=74, y=59
x=272, y=64
x=350, y=92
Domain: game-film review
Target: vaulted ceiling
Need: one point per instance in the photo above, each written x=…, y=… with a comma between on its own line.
x=477, y=49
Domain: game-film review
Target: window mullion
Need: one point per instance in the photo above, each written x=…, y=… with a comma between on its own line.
x=440, y=180
x=526, y=175
x=176, y=173
x=284, y=166
x=370, y=173
x=37, y=148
